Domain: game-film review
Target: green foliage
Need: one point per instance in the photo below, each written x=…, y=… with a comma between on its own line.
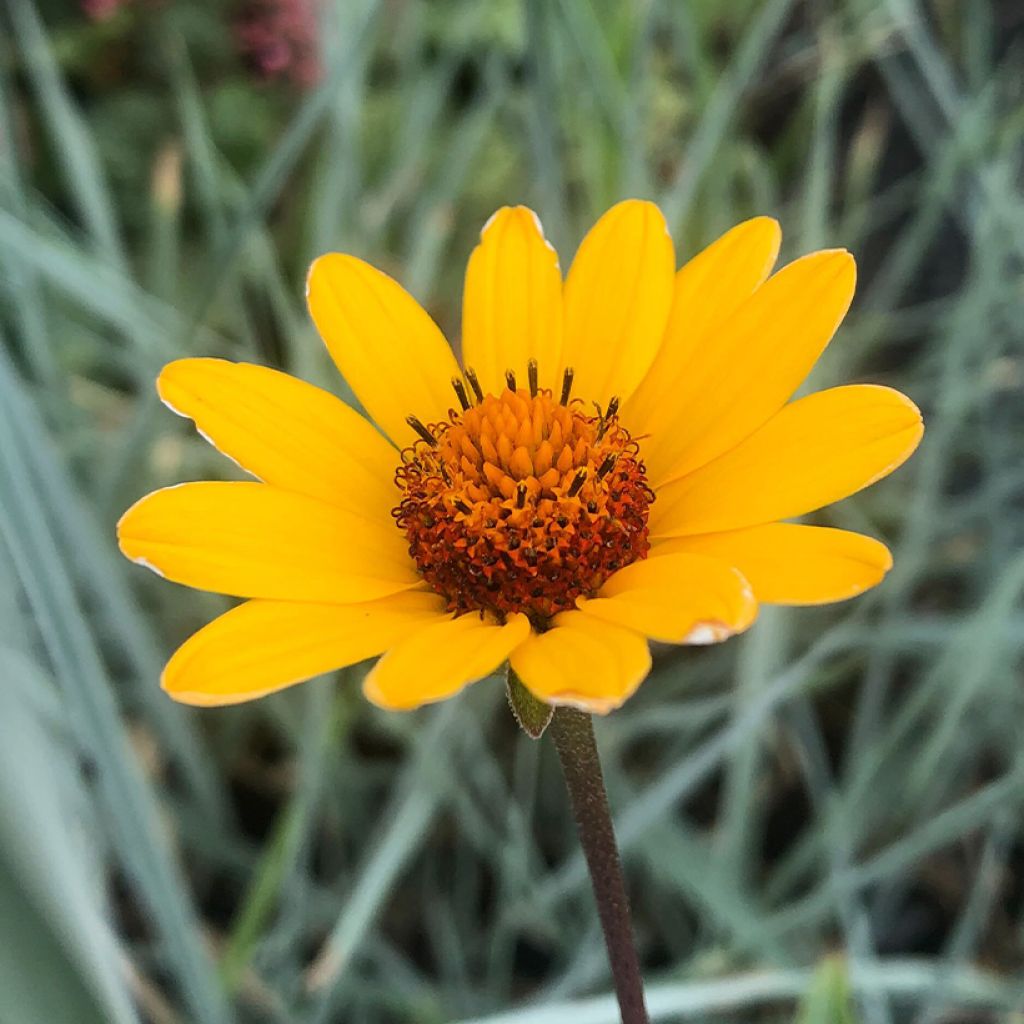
x=51, y=892
x=828, y=998
x=849, y=777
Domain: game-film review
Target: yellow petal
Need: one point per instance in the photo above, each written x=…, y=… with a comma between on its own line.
x=392, y=354
x=438, y=661
x=284, y=431
x=677, y=598
x=707, y=290
x=253, y=540
x=787, y=563
x=751, y=365
x=512, y=302
x=263, y=646
x=582, y=662
x=617, y=297
x=817, y=450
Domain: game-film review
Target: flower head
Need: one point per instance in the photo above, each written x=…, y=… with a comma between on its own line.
x=525, y=502
x=613, y=463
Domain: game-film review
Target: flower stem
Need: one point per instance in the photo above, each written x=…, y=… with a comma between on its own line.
x=573, y=733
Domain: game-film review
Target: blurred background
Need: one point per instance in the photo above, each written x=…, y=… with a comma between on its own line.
x=828, y=807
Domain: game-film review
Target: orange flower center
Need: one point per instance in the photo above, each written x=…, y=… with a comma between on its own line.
x=522, y=502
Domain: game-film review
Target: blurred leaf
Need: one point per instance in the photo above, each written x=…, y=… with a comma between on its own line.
x=828, y=998
x=422, y=868
x=59, y=960
x=69, y=134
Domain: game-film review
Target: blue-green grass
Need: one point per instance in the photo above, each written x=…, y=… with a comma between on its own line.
x=820, y=821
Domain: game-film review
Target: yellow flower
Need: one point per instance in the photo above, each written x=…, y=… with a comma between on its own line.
x=612, y=465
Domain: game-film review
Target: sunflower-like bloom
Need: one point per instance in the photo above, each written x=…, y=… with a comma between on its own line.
x=611, y=464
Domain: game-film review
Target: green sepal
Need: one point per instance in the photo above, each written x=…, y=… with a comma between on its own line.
x=533, y=715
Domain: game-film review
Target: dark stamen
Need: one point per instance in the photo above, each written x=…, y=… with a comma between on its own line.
x=606, y=466
x=474, y=383
x=460, y=390
x=577, y=482
x=462, y=506
x=417, y=425
x=566, y=384
x=510, y=380
x=608, y=414
x=531, y=370
x=520, y=495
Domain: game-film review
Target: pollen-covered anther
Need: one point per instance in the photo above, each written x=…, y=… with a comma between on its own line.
x=523, y=503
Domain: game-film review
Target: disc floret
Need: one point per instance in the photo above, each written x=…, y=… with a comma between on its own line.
x=521, y=501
